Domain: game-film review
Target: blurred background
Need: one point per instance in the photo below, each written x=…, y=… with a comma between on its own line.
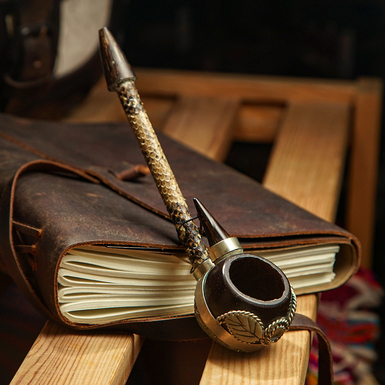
x=333, y=39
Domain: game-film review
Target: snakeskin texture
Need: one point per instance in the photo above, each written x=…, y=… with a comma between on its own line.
x=168, y=187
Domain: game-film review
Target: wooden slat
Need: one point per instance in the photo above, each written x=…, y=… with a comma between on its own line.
x=204, y=124
x=283, y=363
x=246, y=87
x=306, y=167
x=104, y=106
x=255, y=123
x=99, y=106
x=64, y=357
x=361, y=202
x=258, y=123
x=158, y=110
x=307, y=162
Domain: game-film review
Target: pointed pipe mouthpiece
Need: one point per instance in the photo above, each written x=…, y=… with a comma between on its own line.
x=221, y=244
x=214, y=231
x=115, y=65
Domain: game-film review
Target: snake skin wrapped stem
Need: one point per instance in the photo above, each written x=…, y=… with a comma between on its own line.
x=120, y=78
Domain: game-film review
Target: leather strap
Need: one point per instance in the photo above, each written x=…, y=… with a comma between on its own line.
x=124, y=171
x=325, y=361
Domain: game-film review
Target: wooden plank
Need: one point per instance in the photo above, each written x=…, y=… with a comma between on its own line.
x=363, y=165
x=308, y=158
x=246, y=87
x=63, y=356
x=306, y=167
x=283, y=363
x=258, y=123
x=158, y=110
x=255, y=123
x=104, y=106
x=99, y=106
x=204, y=124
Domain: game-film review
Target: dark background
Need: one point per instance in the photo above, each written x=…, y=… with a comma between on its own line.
x=334, y=39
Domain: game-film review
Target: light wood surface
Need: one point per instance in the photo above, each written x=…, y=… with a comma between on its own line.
x=61, y=356
x=254, y=122
x=309, y=122
x=283, y=363
x=168, y=83
x=205, y=123
x=308, y=158
x=258, y=123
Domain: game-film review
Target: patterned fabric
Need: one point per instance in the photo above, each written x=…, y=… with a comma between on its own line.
x=346, y=316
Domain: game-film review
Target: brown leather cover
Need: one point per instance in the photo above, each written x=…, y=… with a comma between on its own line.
x=60, y=190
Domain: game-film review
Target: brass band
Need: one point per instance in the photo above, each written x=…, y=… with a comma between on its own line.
x=203, y=268
x=225, y=248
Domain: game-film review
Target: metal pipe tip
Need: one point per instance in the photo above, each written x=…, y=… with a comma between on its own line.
x=115, y=65
x=213, y=230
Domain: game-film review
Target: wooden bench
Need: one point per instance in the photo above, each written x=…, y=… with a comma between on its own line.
x=313, y=124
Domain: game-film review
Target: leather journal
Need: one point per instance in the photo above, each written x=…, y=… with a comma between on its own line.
x=77, y=211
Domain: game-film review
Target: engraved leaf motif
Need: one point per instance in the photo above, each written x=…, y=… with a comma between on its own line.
x=243, y=326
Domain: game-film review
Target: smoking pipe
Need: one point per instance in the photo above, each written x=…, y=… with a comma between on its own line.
x=245, y=301
x=242, y=301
